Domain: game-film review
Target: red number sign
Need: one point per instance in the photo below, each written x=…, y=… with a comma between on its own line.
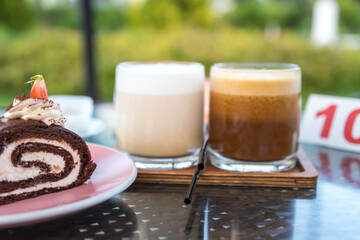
x=329, y=114
x=332, y=121
x=349, y=125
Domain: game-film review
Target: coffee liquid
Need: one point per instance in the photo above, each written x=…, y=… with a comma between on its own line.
x=254, y=128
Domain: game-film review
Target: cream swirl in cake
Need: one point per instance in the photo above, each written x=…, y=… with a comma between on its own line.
x=39, y=156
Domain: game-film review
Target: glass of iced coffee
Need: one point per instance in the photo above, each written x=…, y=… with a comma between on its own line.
x=159, y=112
x=254, y=116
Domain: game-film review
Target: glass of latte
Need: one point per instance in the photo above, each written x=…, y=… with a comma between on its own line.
x=254, y=116
x=159, y=112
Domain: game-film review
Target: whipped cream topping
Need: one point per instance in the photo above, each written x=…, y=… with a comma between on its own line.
x=35, y=109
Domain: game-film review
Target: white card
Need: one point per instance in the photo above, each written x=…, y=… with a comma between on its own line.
x=332, y=121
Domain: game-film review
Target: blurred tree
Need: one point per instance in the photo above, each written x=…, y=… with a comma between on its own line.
x=165, y=13
x=109, y=17
x=63, y=14
x=154, y=13
x=349, y=16
x=295, y=13
x=196, y=12
x=15, y=14
x=258, y=13
x=247, y=13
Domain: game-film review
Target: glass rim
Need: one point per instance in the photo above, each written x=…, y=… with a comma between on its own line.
x=134, y=63
x=256, y=66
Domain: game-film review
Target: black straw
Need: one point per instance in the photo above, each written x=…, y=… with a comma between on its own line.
x=190, y=192
x=200, y=166
x=202, y=155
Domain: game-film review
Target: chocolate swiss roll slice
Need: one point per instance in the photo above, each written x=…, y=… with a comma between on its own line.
x=39, y=156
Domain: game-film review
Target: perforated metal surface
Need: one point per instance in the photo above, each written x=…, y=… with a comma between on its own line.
x=158, y=212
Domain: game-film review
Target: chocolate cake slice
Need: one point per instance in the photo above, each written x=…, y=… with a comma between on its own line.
x=38, y=156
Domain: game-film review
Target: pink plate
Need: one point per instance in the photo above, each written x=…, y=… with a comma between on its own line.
x=114, y=173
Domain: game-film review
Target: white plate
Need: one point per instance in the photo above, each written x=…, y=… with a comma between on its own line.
x=114, y=173
x=96, y=126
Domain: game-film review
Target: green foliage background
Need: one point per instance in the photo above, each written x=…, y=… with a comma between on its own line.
x=48, y=41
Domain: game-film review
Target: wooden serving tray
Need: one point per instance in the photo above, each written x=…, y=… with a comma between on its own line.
x=304, y=175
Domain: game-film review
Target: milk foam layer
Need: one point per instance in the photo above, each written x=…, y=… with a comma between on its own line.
x=162, y=78
x=247, y=82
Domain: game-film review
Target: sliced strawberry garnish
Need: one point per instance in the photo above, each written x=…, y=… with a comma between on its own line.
x=38, y=89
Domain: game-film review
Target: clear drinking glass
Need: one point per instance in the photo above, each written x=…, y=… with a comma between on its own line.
x=159, y=112
x=254, y=116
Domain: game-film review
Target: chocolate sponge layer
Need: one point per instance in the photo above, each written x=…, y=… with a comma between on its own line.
x=18, y=129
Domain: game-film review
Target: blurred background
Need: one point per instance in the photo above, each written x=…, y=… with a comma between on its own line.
x=46, y=37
